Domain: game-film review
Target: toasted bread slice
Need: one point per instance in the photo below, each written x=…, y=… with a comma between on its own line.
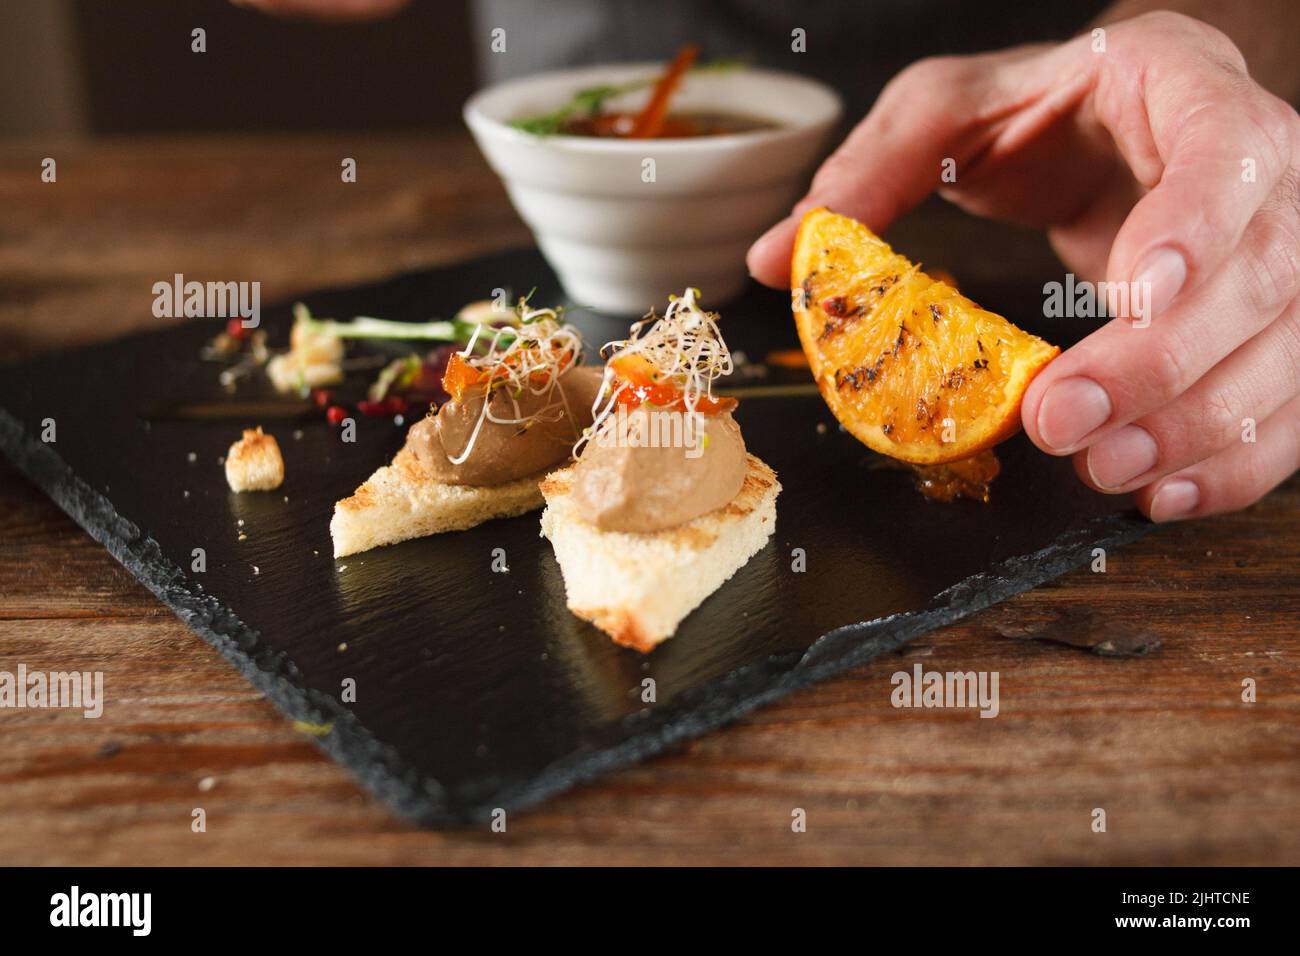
x=402, y=501
x=638, y=587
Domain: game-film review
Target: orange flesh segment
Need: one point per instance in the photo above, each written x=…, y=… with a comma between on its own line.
x=460, y=376
x=644, y=387
x=911, y=367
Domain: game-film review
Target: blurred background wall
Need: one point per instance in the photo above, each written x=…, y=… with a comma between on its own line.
x=104, y=67
x=109, y=67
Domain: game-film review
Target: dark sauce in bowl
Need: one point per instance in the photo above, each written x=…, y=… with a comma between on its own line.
x=675, y=125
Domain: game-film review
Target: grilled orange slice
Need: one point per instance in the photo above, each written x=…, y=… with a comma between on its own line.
x=910, y=366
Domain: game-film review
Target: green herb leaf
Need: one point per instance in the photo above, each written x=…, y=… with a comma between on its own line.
x=366, y=327
x=396, y=376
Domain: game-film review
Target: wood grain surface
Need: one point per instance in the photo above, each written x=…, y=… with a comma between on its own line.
x=1186, y=771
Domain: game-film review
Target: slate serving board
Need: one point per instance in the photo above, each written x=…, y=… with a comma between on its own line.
x=477, y=690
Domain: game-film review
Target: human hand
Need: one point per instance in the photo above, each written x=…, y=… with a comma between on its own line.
x=1135, y=158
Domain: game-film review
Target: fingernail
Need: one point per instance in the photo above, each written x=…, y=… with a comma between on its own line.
x=1174, y=499
x=1160, y=277
x=1119, y=458
x=1072, y=409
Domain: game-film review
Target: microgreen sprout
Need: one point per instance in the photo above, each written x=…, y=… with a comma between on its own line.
x=526, y=357
x=684, y=348
x=367, y=327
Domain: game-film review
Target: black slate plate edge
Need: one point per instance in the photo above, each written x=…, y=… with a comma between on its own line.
x=715, y=704
x=378, y=768
x=421, y=799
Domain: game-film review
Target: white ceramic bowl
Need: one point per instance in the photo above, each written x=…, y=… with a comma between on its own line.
x=622, y=244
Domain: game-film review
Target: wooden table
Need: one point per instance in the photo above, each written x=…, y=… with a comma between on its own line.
x=1186, y=771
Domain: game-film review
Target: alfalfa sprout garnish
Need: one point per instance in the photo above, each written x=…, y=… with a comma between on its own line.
x=524, y=352
x=669, y=361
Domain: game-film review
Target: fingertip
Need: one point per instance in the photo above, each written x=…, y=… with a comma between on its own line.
x=1173, y=499
x=1079, y=461
x=768, y=259
x=1029, y=405
x=1159, y=277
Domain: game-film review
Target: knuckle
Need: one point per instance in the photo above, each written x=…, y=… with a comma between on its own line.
x=1272, y=132
x=1288, y=328
x=1181, y=26
x=1165, y=371
x=840, y=166
x=1279, y=124
x=1286, y=199
x=1165, y=21
x=1256, y=475
x=1217, y=45
x=1217, y=415
x=1217, y=49
x=928, y=73
x=1217, y=222
x=1271, y=260
x=1196, y=428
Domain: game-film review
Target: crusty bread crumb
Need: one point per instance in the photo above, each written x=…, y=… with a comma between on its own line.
x=402, y=501
x=638, y=587
x=254, y=462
